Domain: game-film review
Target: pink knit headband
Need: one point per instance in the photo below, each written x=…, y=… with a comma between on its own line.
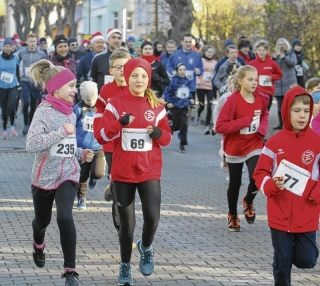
x=59, y=80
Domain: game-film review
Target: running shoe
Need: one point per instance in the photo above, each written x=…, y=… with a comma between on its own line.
x=125, y=273
x=13, y=132
x=92, y=183
x=4, y=135
x=233, y=223
x=196, y=120
x=39, y=257
x=206, y=131
x=81, y=205
x=71, y=278
x=182, y=149
x=248, y=211
x=108, y=193
x=146, y=264
x=25, y=130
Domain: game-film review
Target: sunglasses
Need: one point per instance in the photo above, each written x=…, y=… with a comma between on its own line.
x=74, y=45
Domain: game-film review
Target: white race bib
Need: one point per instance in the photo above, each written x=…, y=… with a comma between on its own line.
x=189, y=75
x=65, y=148
x=265, y=80
x=295, y=177
x=108, y=78
x=253, y=128
x=87, y=123
x=299, y=70
x=136, y=139
x=6, y=77
x=208, y=76
x=26, y=71
x=183, y=92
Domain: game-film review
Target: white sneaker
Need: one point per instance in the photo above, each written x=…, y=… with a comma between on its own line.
x=206, y=130
x=196, y=120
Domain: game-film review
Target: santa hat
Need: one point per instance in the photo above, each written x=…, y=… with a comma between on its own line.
x=16, y=36
x=95, y=37
x=85, y=43
x=2, y=38
x=112, y=31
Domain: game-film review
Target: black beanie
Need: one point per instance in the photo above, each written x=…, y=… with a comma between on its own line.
x=72, y=40
x=58, y=40
x=146, y=43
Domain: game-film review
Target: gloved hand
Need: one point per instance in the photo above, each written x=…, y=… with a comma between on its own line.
x=156, y=133
x=125, y=120
x=155, y=77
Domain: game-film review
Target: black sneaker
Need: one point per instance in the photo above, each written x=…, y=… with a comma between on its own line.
x=25, y=130
x=182, y=149
x=92, y=183
x=71, y=278
x=39, y=257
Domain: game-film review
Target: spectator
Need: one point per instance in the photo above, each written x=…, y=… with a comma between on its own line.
x=301, y=64
x=130, y=42
x=73, y=45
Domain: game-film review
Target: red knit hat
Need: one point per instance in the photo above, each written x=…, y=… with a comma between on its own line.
x=95, y=37
x=112, y=31
x=16, y=36
x=134, y=63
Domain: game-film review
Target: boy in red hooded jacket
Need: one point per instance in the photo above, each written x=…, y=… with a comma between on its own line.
x=289, y=177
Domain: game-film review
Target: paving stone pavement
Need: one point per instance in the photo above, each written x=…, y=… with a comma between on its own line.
x=192, y=245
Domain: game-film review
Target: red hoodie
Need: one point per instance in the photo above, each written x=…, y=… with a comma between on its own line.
x=267, y=67
x=287, y=211
x=107, y=92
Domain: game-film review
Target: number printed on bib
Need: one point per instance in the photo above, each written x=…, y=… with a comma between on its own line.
x=65, y=148
x=189, y=75
x=295, y=177
x=136, y=139
x=253, y=128
x=88, y=124
x=183, y=92
x=26, y=71
x=6, y=77
x=265, y=80
x=208, y=76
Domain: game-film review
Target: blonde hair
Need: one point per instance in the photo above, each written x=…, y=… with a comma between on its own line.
x=31, y=35
x=312, y=83
x=153, y=99
x=119, y=53
x=289, y=47
x=42, y=71
x=305, y=99
x=205, y=49
x=262, y=43
x=241, y=73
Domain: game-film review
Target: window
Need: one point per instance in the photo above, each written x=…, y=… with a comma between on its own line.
x=140, y=9
x=129, y=20
x=148, y=13
x=115, y=20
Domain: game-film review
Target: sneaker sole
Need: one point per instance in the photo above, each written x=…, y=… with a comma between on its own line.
x=234, y=230
x=125, y=284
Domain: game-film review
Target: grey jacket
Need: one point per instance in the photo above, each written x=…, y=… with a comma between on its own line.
x=289, y=73
x=221, y=77
x=46, y=130
x=27, y=58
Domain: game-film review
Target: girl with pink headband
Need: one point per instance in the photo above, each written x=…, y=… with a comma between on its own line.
x=56, y=170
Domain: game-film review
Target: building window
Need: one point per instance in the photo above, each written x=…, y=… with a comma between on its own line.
x=115, y=20
x=148, y=13
x=129, y=20
x=140, y=9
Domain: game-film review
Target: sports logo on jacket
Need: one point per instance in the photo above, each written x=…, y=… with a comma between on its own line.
x=149, y=115
x=307, y=157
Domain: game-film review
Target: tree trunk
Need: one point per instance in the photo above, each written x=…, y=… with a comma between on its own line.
x=181, y=17
x=70, y=7
x=37, y=20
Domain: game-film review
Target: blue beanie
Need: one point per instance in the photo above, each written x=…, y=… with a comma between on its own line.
x=316, y=95
x=7, y=41
x=295, y=42
x=131, y=39
x=228, y=43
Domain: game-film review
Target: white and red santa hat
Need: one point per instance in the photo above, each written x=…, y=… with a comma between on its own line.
x=112, y=31
x=95, y=37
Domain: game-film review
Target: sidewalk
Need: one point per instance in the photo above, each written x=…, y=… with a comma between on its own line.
x=192, y=245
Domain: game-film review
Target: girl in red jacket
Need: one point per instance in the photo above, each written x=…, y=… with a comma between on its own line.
x=288, y=174
x=138, y=124
x=268, y=69
x=243, y=121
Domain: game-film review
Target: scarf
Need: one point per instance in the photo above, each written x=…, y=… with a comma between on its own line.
x=149, y=59
x=209, y=59
x=7, y=56
x=59, y=104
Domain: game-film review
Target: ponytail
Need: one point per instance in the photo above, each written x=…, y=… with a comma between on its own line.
x=153, y=99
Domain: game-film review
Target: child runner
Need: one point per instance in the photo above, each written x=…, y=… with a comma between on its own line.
x=138, y=124
x=85, y=111
x=56, y=170
x=268, y=69
x=243, y=121
x=313, y=84
x=315, y=118
x=289, y=177
x=178, y=98
x=117, y=87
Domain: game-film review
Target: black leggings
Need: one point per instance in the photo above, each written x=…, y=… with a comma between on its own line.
x=150, y=196
x=235, y=173
x=64, y=197
x=201, y=96
x=8, y=101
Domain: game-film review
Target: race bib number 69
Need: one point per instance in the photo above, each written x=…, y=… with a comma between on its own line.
x=136, y=139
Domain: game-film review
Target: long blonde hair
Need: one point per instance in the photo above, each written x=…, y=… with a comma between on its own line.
x=42, y=71
x=241, y=73
x=152, y=98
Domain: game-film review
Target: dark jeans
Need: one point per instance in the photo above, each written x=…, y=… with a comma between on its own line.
x=94, y=169
x=299, y=249
x=64, y=197
x=150, y=195
x=235, y=173
x=201, y=93
x=180, y=122
x=8, y=101
x=30, y=96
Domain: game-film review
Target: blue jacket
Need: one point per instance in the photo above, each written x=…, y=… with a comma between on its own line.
x=172, y=94
x=164, y=58
x=190, y=59
x=85, y=139
x=84, y=66
x=8, y=71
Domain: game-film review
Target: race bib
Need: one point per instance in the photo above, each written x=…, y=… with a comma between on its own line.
x=182, y=92
x=207, y=76
x=136, y=139
x=65, y=148
x=87, y=124
x=26, y=71
x=299, y=70
x=265, y=80
x=108, y=78
x=295, y=177
x=253, y=128
x=6, y=77
x=189, y=75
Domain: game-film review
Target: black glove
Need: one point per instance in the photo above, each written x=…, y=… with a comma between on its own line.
x=155, y=77
x=125, y=120
x=156, y=133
